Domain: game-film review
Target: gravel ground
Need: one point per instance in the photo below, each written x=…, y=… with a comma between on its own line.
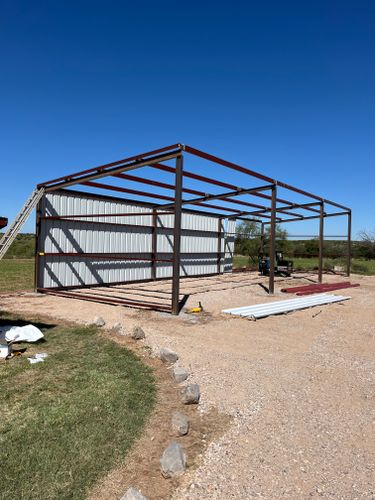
x=300, y=389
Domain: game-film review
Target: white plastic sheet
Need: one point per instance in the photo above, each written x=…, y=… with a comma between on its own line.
x=27, y=333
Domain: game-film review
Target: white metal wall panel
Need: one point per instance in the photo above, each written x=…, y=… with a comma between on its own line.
x=61, y=204
x=191, y=221
x=191, y=265
x=197, y=242
x=68, y=236
x=199, y=239
x=75, y=271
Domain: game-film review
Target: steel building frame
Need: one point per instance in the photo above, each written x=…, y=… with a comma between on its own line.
x=274, y=209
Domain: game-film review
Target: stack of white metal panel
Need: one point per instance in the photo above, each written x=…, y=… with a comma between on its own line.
x=283, y=306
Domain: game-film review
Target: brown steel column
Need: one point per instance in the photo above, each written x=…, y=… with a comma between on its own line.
x=349, y=249
x=177, y=237
x=154, y=237
x=271, y=285
x=36, y=252
x=321, y=242
x=219, y=240
x=262, y=239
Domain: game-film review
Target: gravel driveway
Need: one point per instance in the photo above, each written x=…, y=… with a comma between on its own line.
x=300, y=389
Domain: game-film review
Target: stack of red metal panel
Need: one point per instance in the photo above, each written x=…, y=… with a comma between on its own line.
x=318, y=288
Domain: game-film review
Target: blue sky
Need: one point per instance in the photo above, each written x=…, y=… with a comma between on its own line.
x=285, y=88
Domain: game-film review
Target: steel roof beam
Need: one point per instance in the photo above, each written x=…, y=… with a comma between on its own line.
x=313, y=217
x=222, y=196
x=104, y=168
x=167, y=153
x=284, y=211
x=252, y=173
x=226, y=185
x=150, y=195
x=69, y=181
x=164, y=185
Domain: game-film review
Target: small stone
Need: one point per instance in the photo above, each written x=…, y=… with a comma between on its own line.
x=191, y=394
x=98, y=321
x=138, y=333
x=173, y=461
x=133, y=494
x=117, y=327
x=180, y=424
x=168, y=356
x=179, y=374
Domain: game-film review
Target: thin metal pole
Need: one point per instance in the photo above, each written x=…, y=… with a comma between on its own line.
x=219, y=243
x=154, y=239
x=271, y=285
x=36, y=252
x=349, y=248
x=262, y=238
x=321, y=242
x=177, y=237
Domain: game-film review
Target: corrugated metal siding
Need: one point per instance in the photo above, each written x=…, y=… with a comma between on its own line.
x=69, y=237
x=75, y=271
x=201, y=246
x=63, y=204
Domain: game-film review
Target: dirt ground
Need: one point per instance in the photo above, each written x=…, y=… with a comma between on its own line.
x=299, y=388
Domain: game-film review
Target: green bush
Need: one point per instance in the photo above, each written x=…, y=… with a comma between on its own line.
x=23, y=247
x=359, y=268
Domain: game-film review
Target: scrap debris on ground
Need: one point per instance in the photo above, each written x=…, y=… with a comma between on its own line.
x=17, y=334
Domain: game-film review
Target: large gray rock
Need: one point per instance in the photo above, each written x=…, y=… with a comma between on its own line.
x=180, y=424
x=191, y=394
x=173, y=461
x=98, y=321
x=179, y=374
x=168, y=356
x=133, y=494
x=137, y=333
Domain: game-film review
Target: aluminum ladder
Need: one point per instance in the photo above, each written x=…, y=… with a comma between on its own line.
x=19, y=221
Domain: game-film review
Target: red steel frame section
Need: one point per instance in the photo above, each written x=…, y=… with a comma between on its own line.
x=119, y=170
x=319, y=288
x=3, y=222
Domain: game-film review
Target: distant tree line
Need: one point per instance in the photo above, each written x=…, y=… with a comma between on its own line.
x=248, y=242
x=366, y=245
x=23, y=247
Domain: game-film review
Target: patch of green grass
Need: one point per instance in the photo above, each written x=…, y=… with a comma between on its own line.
x=16, y=274
x=240, y=261
x=361, y=266
x=67, y=422
x=305, y=264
